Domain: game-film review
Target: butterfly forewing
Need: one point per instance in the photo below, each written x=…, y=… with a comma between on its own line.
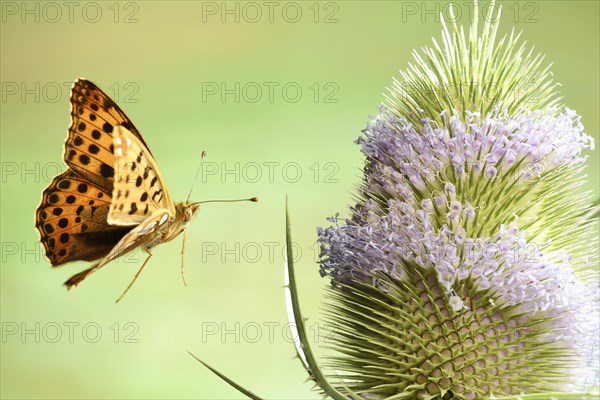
x=89, y=145
x=139, y=189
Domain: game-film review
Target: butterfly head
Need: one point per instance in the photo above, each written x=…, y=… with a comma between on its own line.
x=186, y=210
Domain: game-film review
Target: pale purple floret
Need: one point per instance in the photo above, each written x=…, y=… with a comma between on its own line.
x=402, y=164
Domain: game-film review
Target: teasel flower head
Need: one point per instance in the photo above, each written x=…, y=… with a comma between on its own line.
x=467, y=268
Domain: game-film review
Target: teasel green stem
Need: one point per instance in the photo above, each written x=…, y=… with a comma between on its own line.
x=303, y=346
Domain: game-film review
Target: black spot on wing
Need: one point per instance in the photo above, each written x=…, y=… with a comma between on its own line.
x=64, y=238
x=107, y=171
x=84, y=159
x=133, y=209
x=93, y=149
x=64, y=184
x=49, y=228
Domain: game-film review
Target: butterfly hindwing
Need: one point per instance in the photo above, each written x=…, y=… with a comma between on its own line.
x=139, y=189
x=72, y=220
x=143, y=235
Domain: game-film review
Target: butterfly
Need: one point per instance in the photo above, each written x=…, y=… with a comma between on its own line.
x=112, y=199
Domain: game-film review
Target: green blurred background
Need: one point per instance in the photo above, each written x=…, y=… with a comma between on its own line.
x=176, y=68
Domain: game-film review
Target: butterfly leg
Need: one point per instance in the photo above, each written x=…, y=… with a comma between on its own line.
x=136, y=275
x=182, y=255
x=78, y=278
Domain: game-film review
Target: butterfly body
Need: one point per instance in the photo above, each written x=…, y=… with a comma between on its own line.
x=162, y=228
x=112, y=199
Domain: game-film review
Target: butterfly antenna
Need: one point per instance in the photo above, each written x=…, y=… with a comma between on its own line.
x=197, y=173
x=252, y=199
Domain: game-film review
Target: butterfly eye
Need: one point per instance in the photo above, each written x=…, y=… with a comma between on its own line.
x=188, y=214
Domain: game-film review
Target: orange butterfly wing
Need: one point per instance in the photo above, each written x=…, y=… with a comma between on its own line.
x=72, y=221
